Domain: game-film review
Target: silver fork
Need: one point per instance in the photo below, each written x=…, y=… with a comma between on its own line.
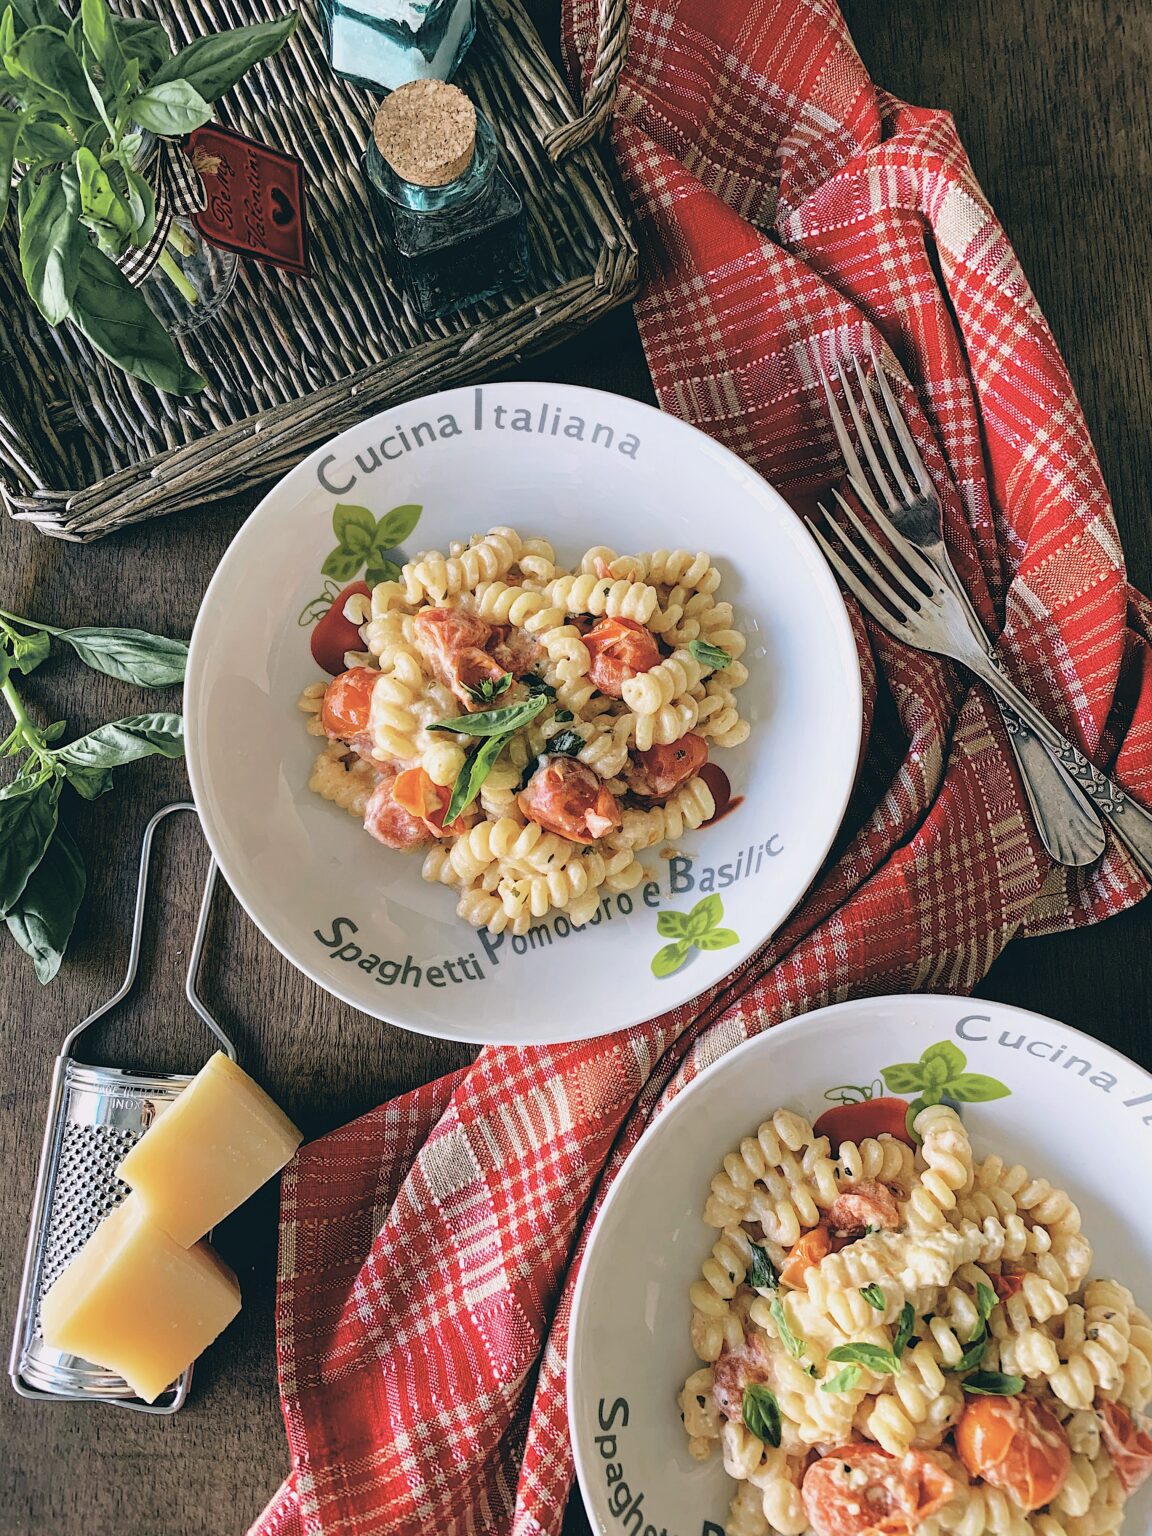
x=927, y=615
x=1068, y=826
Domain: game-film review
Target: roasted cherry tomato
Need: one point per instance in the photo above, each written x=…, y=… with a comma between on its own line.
x=347, y=702
x=859, y=1490
x=453, y=642
x=810, y=1249
x=1006, y=1286
x=737, y=1369
x=869, y=1117
x=335, y=634
x=515, y=651
x=1016, y=1444
x=865, y=1203
x=415, y=792
x=656, y=773
x=566, y=797
x=620, y=649
x=388, y=821
x=1129, y=1444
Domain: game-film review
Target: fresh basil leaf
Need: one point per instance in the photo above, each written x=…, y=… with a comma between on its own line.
x=762, y=1274
x=354, y=527
x=904, y=1077
x=883, y=1362
x=843, y=1381
x=38, y=13
x=145, y=41
x=214, y=64
x=396, y=526
x=89, y=783
x=705, y=915
x=904, y=1329
x=123, y=741
x=993, y=1384
x=985, y=1303
x=536, y=684
x=43, y=141
x=670, y=958
x=564, y=714
x=382, y=570
x=761, y=1413
x=566, y=744
x=102, y=208
x=141, y=202
x=718, y=938
x=874, y=1296
x=791, y=1343
x=975, y=1088
x=104, y=44
x=494, y=722
x=52, y=244
x=489, y=688
x=342, y=564
x=709, y=655
x=44, y=55
x=132, y=655
x=41, y=920
x=28, y=651
x=472, y=775
x=972, y=1356
x=116, y=320
x=27, y=822
x=170, y=108
x=53, y=732
x=11, y=124
x=672, y=925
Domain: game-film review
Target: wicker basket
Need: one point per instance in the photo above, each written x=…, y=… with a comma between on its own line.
x=85, y=450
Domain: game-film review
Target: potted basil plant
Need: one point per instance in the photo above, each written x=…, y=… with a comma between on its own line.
x=83, y=102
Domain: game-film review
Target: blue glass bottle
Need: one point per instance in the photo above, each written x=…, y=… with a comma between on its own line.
x=452, y=243
x=382, y=44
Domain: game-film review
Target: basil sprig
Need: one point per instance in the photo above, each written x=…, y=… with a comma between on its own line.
x=42, y=876
x=709, y=655
x=761, y=1413
x=794, y=1345
x=495, y=722
x=872, y=1357
x=489, y=688
x=471, y=777
x=762, y=1274
x=992, y=1384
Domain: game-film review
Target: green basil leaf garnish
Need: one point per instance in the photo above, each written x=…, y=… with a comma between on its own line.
x=489, y=688
x=843, y=1381
x=763, y=1275
x=495, y=722
x=761, y=1413
x=874, y=1296
x=791, y=1343
x=904, y=1329
x=709, y=655
x=882, y=1361
x=993, y=1384
x=475, y=770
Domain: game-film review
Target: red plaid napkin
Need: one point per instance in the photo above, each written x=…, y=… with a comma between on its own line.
x=790, y=214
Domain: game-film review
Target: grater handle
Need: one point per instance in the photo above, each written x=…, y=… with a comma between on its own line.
x=138, y=933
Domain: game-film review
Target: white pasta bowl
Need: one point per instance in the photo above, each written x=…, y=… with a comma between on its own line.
x=578, y=468
x=1072, y=1111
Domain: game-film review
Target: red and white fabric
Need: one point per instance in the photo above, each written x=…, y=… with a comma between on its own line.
x=789, y=213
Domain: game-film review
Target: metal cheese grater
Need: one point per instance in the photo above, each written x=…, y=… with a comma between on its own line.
x=95, y=1114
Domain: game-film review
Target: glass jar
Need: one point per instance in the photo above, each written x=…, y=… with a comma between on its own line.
x=457, y=243
x=382, y=44
x=192, y=279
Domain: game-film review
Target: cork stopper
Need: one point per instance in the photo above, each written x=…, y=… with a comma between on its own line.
x=426, y=131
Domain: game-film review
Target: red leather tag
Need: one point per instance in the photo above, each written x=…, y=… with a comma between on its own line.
x=256, y=201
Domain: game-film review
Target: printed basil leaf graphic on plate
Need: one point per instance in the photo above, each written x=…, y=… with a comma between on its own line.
x=940, y=1076
x=697, y=929
x=363, y=542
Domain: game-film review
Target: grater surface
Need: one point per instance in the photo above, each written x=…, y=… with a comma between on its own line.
x=95, y=1116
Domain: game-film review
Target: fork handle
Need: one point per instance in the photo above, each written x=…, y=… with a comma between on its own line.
x=1126, y=816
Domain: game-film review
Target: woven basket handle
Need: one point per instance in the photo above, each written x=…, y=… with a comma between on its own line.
x=611, y=49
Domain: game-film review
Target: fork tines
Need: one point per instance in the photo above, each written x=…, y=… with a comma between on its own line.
x=894, y=581
x=898, y=490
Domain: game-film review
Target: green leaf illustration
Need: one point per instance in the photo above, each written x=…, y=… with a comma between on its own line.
x=395, y=526
x=904, y=1077
x=705, y=915
x=935, y=1073
x=672, y=925
x=718, y=938
x=383, y=570
x=354, y=527
x=975, y=1088
x=670, y=958
x=342, y=565
x=952, y=1057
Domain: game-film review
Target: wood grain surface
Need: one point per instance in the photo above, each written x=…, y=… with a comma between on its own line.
x=1052, y=99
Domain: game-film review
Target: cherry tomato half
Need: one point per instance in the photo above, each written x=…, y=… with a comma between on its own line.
x=1129, y=1444
x=810, y=1249
x=657, y=772
x=859, y=1490
x=870, y=1117
x=388, y=821
x=347, y=703
x=1015, y=1444
x=566, y=797
x=620, y=649
x=865, y=1203
x=335, y=634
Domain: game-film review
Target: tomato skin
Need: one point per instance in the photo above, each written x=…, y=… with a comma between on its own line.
x=348, y=702
x=1129, y=1445
x=737, y=1369
x=866, y=1203
x=656, y=773
x=388, y=821
x=566, y=797
x=1006, y=1286
x=809, y=1250
x=414, y=791
x=620, y=649
x=335, y=634
x=897, y=1496
x=1016, y=1444
x=870, y=1117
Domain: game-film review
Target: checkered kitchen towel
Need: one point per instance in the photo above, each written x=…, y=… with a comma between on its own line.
x=790, y=214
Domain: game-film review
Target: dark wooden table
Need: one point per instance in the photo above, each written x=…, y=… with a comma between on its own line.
x=1052, y=99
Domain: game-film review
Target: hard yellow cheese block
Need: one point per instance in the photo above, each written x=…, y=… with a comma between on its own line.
x=139, y=1303
x=209, y=1151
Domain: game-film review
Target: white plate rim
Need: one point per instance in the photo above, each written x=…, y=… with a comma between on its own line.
x=249, y=534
